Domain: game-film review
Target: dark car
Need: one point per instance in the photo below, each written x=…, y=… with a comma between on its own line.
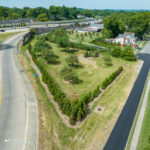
x=2, y=30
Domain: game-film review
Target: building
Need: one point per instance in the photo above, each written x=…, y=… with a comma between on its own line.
x=128, y=38
x=96, y=26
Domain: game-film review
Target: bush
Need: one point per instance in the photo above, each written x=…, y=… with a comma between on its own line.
x=107, y=61
x=91, y=54
x=128, y=54
x=41, y=45
x=72, y=60
x=69, y=75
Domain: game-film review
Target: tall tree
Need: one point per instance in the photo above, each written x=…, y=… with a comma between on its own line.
x=114, y=24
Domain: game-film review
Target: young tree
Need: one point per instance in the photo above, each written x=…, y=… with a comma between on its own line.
x=42, y=17
x=107, y=61
x=72, y=60
x=69, y=75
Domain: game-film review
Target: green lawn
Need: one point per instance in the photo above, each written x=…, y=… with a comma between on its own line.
x=92, y=73
x=86, y=39
x=145, y=130
x=4, y=36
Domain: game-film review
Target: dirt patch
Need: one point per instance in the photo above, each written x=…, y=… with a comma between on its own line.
x=87, y=61
x=99, y=109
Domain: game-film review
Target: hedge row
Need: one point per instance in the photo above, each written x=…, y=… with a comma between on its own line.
x=111, y=78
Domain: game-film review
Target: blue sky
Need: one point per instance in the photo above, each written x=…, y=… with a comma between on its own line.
x=97, y=4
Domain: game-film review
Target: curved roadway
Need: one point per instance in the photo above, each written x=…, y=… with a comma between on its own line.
x=120, y=133
x=18, y=112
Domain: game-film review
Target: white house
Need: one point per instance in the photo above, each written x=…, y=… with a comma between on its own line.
x=128, y=38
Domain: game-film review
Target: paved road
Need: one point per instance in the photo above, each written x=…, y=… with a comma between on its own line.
x=13, y=30
x=120, y=133
x=18, y=113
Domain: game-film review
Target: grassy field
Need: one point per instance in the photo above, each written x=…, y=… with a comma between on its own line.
x=77, y=36
x=135, y=121
x=142, y=44
x=4, y=36
x=92, y=73
x=53, y=134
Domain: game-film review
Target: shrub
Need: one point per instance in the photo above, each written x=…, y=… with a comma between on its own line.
x=107, y=61
x=41, y=45
x=69, y=75
x=128, y=54
x=72, y=60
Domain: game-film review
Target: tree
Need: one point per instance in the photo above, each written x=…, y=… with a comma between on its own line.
x=114, y=24
x=80, y=114
x=13, y=16
x=72, y=60
x=69, y=75
x=32, y=32
x=128, y=54
x=42, y=17
x=41, y=45
x=116, y=52
x=107, y=61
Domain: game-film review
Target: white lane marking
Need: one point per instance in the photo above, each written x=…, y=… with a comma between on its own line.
x=18, y=141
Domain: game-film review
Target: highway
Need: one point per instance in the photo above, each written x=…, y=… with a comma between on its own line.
x=121, y=131
x=18, y=112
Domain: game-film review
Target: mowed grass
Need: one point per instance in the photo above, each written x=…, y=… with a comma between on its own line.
x=77, y=36
x=4, y=36
x=145, y=130
x=54, y=135
x=92, y=72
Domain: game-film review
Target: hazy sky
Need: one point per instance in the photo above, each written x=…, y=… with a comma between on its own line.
x=92, y=4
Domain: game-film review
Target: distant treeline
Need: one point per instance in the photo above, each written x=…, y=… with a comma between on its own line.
x=53, y=13
x=56, y=13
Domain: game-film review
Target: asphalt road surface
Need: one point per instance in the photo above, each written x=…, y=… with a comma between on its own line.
x=120, y=133
x=18, y=112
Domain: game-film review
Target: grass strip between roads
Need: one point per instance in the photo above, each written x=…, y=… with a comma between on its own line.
x=136, y=117
x=145, y=130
